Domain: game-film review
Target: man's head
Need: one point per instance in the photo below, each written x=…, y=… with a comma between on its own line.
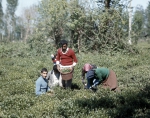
x=44, y=72
x=64, y=44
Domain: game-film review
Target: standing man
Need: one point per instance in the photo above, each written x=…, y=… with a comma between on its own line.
x=66, y=61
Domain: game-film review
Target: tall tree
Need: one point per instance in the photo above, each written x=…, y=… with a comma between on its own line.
x=147, y=12
x=1, y=20
x=20, y=29
x=87, y=29
x=107, y=4
x=138, y=22
x=11, y=21
x=53, y=18
x=29, y=17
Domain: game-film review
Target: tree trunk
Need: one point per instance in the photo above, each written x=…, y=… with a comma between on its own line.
x=72, y=37
x=79, y=42
x=107, y=7
x=21, y=34
x=130, y=23
x=107, y=4
x=26, y=36
x=27, y=31
x=79, y=45
x=8, y=37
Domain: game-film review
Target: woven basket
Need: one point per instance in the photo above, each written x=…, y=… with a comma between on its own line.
x=66, y=75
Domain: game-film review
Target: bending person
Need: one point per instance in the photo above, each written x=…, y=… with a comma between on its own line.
x=102, y=76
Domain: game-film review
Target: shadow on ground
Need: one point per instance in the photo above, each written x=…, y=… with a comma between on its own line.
x=75, y=86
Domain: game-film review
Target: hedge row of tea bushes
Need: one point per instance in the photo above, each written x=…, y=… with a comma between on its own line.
x=19, y=73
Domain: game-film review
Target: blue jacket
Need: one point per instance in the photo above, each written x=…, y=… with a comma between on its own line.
x=41, y=86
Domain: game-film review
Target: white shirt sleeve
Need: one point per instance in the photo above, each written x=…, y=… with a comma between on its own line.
x=57, y=62
x=74, y=63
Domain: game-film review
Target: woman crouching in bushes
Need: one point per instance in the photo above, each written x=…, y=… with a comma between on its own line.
x=102, y=76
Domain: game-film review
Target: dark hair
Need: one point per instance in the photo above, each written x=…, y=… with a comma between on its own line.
x=55, y=68
x=54, y=57
x=93, y=66
x=44, y=70
x=62, y=42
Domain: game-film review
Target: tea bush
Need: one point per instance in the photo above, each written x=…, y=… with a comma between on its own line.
x=19, y=71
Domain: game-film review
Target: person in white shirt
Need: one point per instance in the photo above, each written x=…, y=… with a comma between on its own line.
x=54, y=77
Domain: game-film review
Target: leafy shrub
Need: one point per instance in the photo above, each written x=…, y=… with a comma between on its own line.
x=19, y=73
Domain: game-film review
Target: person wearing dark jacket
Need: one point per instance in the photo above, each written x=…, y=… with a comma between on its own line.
x=103, y=76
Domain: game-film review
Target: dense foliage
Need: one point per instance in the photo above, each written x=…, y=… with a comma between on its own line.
x=86, y=28
x=88, y=25
x=147, y=18
x=101, y=32
x=20, y=69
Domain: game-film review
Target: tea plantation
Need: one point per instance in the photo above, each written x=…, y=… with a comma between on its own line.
x=19, y=69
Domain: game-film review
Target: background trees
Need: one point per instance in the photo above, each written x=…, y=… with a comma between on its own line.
x=147, y=23
x=28, y=20
x=16, y=27
x=1, y=20
x=11, y=19
x=88, y=26
x=138, y=23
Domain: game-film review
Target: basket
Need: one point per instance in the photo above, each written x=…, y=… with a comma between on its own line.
x=66, y=73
